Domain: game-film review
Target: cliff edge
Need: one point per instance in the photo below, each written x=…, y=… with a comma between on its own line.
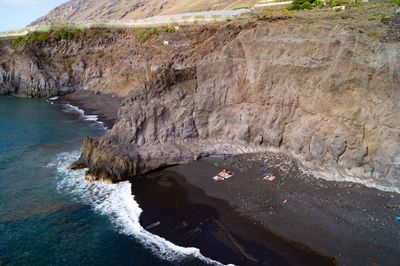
x=322, y=93
x=321, y=86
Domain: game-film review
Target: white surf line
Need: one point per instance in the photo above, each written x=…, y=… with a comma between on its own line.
x=117, y=202
x=75, y=109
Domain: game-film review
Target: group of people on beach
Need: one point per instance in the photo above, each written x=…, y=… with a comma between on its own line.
x=225, y=174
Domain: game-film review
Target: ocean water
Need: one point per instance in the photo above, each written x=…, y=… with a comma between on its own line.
x=50, y=216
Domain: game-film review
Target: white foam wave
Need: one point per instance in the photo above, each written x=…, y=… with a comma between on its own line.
x=69, y=108
x=54, y=98
x=117, y=202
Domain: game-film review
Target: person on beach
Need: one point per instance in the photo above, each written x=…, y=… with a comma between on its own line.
x=223, y=175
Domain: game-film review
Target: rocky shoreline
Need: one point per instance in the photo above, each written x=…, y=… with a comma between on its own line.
x=347, y=221
x=316, y=87
x=320, y=92
x=324, y=96
x=297, y=216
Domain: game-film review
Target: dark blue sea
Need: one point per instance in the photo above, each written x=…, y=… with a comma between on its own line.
x=50, y=216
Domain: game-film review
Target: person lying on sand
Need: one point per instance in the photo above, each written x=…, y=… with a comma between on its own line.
x=269, y=177
x=223, y=175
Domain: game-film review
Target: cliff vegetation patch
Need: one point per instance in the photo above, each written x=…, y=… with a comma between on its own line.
x=143, y=34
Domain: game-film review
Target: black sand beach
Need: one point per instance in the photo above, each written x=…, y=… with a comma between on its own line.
x=183, y=214
x=296, y=219
x=350, y=222
x=105, y=106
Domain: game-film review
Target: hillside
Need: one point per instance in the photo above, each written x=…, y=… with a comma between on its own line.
x=89, y=10
x=320, y=88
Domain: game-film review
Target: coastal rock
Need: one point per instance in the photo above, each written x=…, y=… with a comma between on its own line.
x=323, y=94
x=319, y=94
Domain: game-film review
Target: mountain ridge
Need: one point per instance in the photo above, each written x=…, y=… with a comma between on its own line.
x=91, y=10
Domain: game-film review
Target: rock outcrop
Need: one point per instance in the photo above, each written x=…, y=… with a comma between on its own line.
x=26, y=74
x=108, y=61
x=325, y=95
x=320, y=92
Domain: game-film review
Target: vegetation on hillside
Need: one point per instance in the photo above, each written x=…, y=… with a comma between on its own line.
x=37, y=37
x=31, y=39
x=310, y=4
x=397, y=2
x=67, y=34
x=144, y=34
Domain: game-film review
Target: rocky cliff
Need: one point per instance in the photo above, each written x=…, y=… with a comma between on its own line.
x=326, y=93
x=108, y=61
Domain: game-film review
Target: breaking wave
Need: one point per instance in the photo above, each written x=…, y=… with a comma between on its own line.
x=117, y=202
x=69, y=108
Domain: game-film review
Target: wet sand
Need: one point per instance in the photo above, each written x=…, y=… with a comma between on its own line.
x=105, y=106
x=186, y=216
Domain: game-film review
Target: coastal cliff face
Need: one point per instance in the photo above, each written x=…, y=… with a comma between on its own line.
x=322, y=92
x=24, y=74
x=325, y=95
x=109, y=61
x=42, y=70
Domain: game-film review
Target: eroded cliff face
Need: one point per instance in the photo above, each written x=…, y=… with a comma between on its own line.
x=108, y=61
x=326, y=95
x=315, y=89
x=56, y=67
x=25, y=74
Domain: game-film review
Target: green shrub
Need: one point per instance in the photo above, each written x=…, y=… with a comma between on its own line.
x=319, y=3
x=30, y=38
x=146, y=34
x=33, y=38
x=333, y=3
x=62, y=34
x=302, y=4
x=397, y=2
x=306, y=5
x=43, y=37
x=169, y=29
x=65, y=34
x=17, y=40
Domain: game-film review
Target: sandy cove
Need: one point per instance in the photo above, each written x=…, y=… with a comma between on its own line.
x=355, y=224
x=297, y=218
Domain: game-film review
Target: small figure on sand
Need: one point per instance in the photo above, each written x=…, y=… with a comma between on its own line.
x=269, y=178
x=224, y=174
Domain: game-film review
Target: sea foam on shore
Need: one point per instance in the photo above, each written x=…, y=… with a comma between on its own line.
x=69, y=108
x=117, y=202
